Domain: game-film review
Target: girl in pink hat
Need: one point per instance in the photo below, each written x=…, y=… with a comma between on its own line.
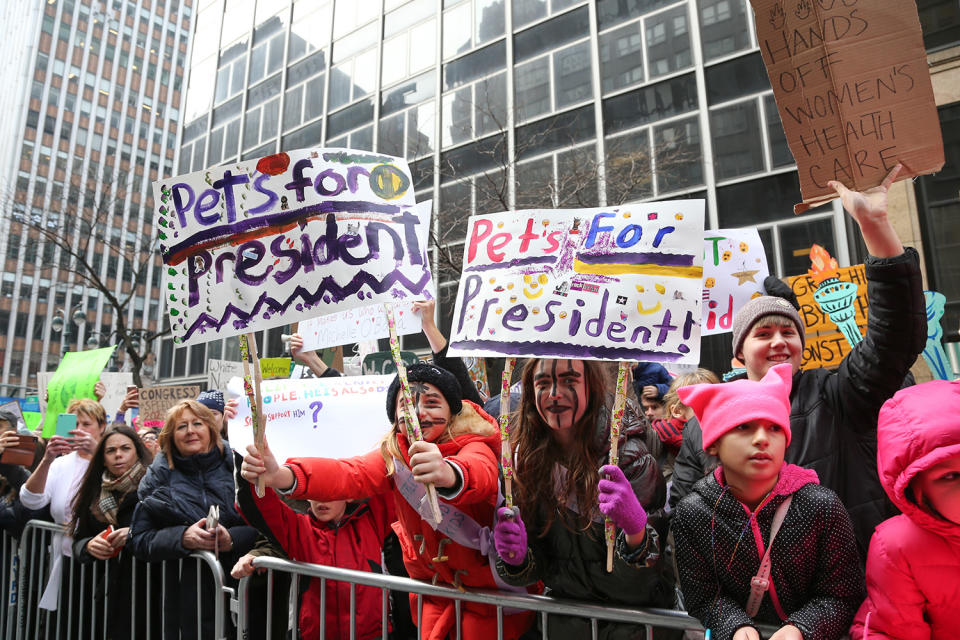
x=760, y=541
x=913, y=567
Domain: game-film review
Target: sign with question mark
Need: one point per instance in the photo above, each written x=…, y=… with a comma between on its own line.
x=326, y=417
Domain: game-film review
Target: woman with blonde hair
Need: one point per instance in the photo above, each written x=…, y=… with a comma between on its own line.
x=192, y=473
x=55, y=481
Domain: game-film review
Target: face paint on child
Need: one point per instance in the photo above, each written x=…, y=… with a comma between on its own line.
x=432, y=409
x=561, y=392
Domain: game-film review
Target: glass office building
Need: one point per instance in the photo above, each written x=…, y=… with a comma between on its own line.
x=501, y=104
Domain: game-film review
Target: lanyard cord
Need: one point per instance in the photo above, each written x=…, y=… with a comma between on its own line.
x=713, y=543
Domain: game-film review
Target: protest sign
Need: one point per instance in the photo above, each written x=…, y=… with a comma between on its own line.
x=381, y=362
x=734, y=266
x=115, y=382
x=618, y=283
x=154, y=401
x=74, y=378
x=355, y=325
x=11, y=412
x=219, y=373
x=853, y=90
x=275, y=367
x=327, y=417
x=32, y=419
x=830, y=298
x=263, y=243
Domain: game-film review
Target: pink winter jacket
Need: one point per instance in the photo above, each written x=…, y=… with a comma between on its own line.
x=913, y=566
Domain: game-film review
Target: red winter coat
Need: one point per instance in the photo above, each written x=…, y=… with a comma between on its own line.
x=356, y=543
x=475, y=450
x=913, y=566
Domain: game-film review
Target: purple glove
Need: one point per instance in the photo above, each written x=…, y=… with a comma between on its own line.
x=510, y=536
x=619, y=502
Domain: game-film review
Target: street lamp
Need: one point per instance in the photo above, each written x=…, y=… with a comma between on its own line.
x=57, y=325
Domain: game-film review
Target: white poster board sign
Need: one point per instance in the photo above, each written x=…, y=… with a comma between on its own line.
x=322, y=417
x=262, y=243
x=734, y=266
x=616, y=283
x=358, y=325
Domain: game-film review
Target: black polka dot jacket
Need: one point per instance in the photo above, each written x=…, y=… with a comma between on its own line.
x=817, y=580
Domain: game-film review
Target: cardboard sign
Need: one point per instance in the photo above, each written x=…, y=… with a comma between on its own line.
x=275, y=367
x=853, y=89
x=219, y=373
x=354, y=325
x=617, y=283
x=75, y=377
x=734, y=266
x=825, y=346
x=263, y=243
x=326, y=417
x=154, y=401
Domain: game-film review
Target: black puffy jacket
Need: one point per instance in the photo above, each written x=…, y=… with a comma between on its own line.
x=170, y=501
x=173, y=499
x=833, y=415
x=572, y=563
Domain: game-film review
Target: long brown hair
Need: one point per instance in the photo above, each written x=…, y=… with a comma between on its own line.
x=537, y=452
x=92, y=482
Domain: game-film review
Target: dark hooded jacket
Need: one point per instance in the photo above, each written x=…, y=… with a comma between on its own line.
x=170, y=501
x=913, y=570
x=572, y=563
x=817, y=582
x=833, y=414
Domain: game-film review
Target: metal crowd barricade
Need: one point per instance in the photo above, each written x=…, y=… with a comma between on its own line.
x=652, y=619
x=9, y=569
x=78, y=613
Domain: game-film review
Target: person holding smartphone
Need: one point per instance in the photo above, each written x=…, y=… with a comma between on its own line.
x=13, y=473
x=55, y=481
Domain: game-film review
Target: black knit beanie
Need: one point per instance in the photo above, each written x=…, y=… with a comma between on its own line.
x=442, y=379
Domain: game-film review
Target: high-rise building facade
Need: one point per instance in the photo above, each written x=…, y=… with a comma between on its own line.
x=91, y=110
x=503, y=104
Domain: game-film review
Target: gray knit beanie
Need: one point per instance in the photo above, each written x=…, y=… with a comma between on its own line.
x=758, y=308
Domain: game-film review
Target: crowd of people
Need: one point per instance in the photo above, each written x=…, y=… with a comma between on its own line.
x=820, y=502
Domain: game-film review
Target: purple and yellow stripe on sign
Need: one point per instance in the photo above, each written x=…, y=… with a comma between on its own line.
x=643, y=263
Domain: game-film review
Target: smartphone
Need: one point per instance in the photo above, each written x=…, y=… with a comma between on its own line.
x=66, y=422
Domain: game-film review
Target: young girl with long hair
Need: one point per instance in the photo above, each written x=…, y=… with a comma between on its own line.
x=563, y=488
x=459, y=455
x=106, y=500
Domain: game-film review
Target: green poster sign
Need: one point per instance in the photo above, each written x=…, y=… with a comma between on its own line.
x=32, y=419
x=75, y=378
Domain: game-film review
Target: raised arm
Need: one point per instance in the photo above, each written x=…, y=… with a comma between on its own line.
x=439, y=346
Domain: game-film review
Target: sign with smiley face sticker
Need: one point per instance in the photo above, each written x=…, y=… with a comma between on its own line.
x=618, y=283
x=734, y=266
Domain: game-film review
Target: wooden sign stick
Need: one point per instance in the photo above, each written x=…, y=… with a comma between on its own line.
x=248, y=353
x=409, y=409
x=506, y=449
x=616, y=419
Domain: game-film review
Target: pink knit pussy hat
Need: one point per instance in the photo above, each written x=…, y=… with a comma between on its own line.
x=721, y=407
